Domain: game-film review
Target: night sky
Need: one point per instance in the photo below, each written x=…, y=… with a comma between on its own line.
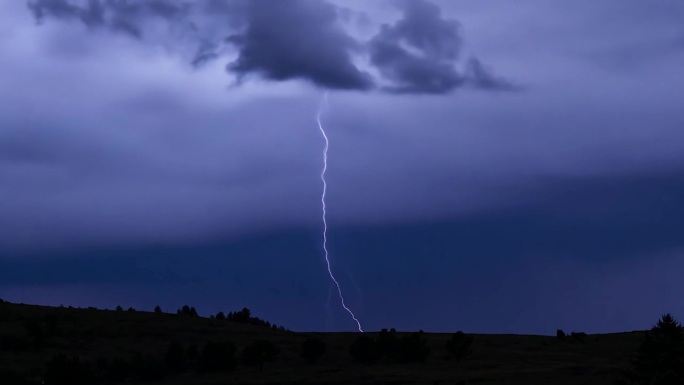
x=494, y=166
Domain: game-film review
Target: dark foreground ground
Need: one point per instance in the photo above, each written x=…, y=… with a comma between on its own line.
x=30, y=336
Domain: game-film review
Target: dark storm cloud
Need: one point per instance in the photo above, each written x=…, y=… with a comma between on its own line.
x=297, y=39
x=419, y=53
x=301, y=40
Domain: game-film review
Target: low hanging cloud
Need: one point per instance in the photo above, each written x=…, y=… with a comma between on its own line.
x=281, y=40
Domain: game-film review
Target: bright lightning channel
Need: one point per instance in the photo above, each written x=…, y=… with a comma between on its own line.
x=325, y=223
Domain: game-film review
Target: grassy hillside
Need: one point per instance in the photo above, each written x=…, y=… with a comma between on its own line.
x=30, y=336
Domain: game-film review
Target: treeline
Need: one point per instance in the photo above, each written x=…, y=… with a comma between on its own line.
x=243, y=316
x=389, y=347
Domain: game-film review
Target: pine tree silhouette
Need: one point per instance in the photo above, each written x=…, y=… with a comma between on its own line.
x=660, y=358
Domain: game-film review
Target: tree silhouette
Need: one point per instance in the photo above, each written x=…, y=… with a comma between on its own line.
x=157, y=310
x=312, y=349
x=560, y=334
x=187, y=311
x=220, y=316
x=243, y=316
x=119, y=308
x=459, y=346
x=660, y=358
x=259, y=352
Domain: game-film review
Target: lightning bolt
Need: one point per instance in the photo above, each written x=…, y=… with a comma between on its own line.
x=325, y=223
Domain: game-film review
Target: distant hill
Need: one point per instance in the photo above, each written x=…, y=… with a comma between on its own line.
x=38, y=343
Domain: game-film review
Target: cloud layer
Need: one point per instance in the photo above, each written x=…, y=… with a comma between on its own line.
x=280, y=40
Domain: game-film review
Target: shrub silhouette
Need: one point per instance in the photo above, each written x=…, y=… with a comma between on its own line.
x=387, y=341
x=130, y=309
x=660, y=358
x=13, y=343
x=36, y=331
x=459, y=346
x=148, y=368
x=410, y=348
x=10, y=376
x=259, y=352
x=101, y=370
x=63, y=370
x=389, y=345
x=312, y=349
x=220, y=316
x=217, y=357
x=51, y=322
x=578, y=337
x=119, y=308
x=118, y=370
x=176, y=358
x=560, y=334
x=365, y=350
x=192, y=353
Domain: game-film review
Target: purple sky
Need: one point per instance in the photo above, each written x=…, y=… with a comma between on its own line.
x=494, y=167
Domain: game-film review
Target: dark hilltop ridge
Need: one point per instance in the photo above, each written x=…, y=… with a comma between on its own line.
x=75, y=346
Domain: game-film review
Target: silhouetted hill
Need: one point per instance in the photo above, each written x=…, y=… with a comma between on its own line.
x=108, y=346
